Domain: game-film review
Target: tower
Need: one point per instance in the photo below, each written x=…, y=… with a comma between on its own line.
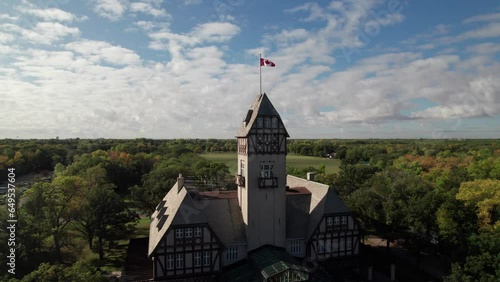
x=261, y=175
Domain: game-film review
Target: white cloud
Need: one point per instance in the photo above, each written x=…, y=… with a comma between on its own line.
x=110, y=9
x=147, y=8
x=215, y=31
x=8, y=17
x=100, y=51
x=51, y=14
x=483, y=18
x=43, y=32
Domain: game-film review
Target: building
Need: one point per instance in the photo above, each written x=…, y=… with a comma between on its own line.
x=226, y=235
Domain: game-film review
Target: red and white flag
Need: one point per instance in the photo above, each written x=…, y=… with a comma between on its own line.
x=266, y=62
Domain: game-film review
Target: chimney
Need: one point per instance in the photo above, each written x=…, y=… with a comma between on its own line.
x=310, y=176
x=180, y=182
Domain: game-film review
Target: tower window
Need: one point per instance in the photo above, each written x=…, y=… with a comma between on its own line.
x=275, y=122
x=267, y=122
x=267, y=170
x=259, y=123
x=242, y=168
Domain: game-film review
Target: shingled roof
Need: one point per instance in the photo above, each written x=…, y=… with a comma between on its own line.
x=176, y=208
x=323, y=201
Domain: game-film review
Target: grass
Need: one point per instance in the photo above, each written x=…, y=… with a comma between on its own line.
x=231, y=159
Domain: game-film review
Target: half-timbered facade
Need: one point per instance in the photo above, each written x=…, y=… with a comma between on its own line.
x=201, y=234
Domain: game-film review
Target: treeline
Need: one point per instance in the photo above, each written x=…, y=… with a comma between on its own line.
x=434, y=196
x=95, y=196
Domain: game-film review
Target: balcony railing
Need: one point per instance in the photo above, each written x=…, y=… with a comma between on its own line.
x=240, y=180
x=268, y=182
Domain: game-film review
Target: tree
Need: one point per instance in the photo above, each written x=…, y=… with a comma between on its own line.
x=103, y=214
x=484, y=195
x=80, y=271
x=59, y=204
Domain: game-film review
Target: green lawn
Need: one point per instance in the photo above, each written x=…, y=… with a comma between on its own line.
x=230, y=159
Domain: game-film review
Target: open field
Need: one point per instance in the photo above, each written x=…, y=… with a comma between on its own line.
x=230, y=159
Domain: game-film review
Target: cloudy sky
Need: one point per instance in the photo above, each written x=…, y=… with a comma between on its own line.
x=190, y=68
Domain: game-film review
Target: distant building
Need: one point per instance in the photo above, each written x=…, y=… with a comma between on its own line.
x=267, y=230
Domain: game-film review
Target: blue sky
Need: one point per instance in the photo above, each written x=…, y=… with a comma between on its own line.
x=190, y=69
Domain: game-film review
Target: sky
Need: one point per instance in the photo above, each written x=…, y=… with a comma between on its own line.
x=190, y=68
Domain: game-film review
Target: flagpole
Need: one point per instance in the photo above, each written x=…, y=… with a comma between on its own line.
x=260, y=72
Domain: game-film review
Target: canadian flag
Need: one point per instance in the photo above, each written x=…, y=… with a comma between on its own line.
x=266, y=62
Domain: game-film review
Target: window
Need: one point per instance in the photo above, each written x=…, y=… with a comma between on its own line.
x=170, y=261
x=267, y=122
x=329, y=221
x=232, y=253
x=189, y=232
x=179, y=233
x=206, y=258
x=295, y=247
x=179, y=261
x=328, y=245
x=349, y=243
x=197, y=232
x=342, y=244
x=321, y=247
x=275, y=122
x=337, y=220
x=259, y=123
x=344, y=220
x=197, y=259
x=242, y=168
x=266, y=170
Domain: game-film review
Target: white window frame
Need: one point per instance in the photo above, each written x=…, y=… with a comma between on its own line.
x=266, y=170
x=232, y=253
x=336, y=220
x=179, y=233
x=188, y=232
x=295, y=247
x=197, y=258
x=179, y=261
x=329, y=221
x=343, y=220
x=197, y=232
x=242, y=167
x=170, y=261
x=206, y=258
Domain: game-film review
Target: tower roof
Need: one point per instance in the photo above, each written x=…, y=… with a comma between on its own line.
x=262, y=107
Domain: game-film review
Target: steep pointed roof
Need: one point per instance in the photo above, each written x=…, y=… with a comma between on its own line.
x=176, y=208
x=262, y=106
x=323, y=201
